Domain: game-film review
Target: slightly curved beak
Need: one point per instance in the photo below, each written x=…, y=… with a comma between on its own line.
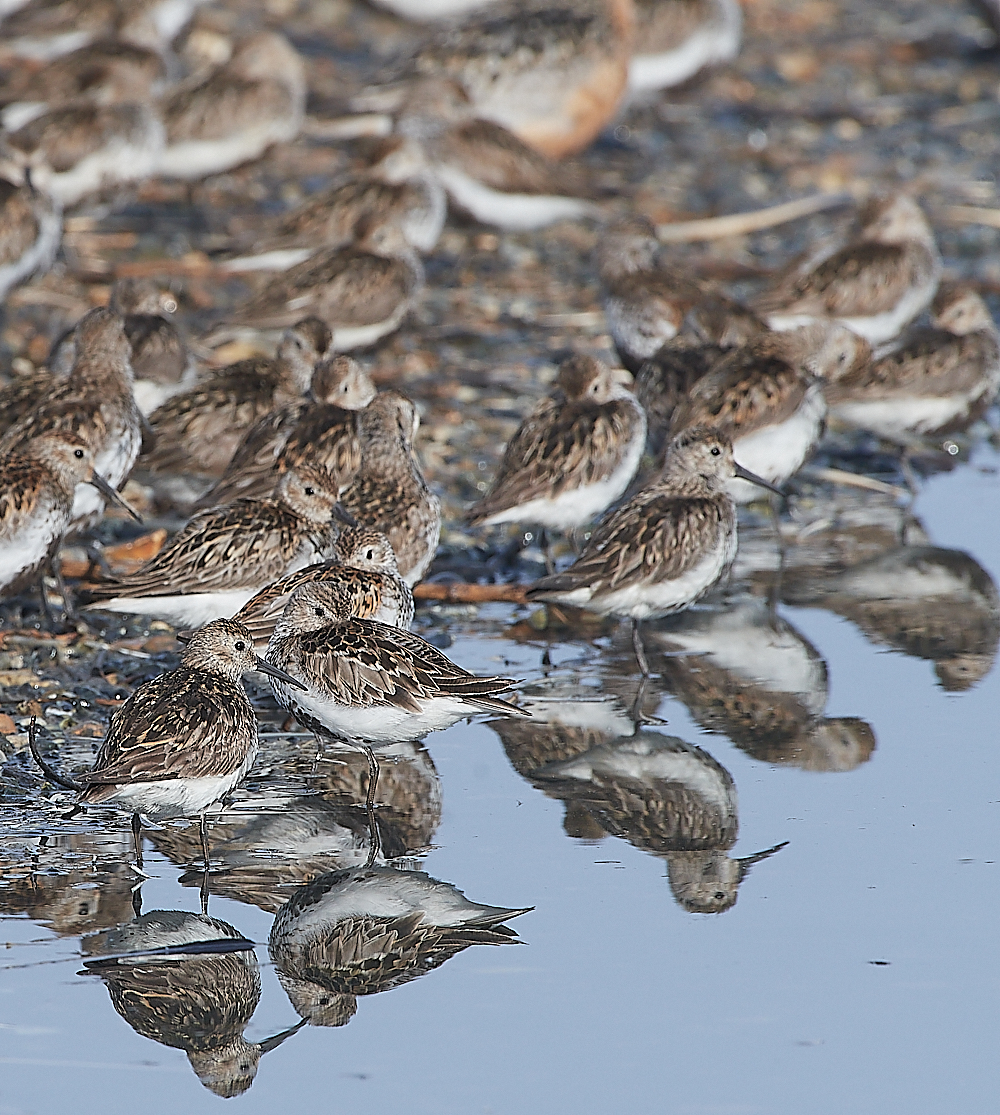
x=266, y=668
x=748, y=861
x=273, y=1043
x=340, y=512
x=746, y=474
x=109, y=493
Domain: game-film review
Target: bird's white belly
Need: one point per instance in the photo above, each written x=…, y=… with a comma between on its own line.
x=280, y=259
x=121, y=161
x=178, y=797
x=347, y=337
x=777, y=452
x=29, y=546
x=382, y=723
x=649, y=72
x=518, y=212
x=189, y=610
x=890, y=417
x=198, y=158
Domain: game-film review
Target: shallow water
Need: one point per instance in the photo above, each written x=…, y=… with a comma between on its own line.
x=856, y=970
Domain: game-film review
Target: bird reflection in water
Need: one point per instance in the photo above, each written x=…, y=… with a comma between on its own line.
x=190, y=982
x=923, y=600
x=746, y=672
x=353, y=933
x=662, y=795
x=278, y=841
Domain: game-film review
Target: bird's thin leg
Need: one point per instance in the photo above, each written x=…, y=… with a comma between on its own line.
x=640, y=653
x=50, y=619
x=543, y=545
x=137, y=838
x=906, y=468
x=68, y=609
x=204, y=851
x=97, y=560
x=374, y=839
x=775, y=515
x=137, y=900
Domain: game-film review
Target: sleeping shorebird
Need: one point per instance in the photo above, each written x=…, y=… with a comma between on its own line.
x=199, y=429
x=767, y=398
x=398, y=188
x=94, y=402
x=389, y=492
x=939, y=379
x=573, y=456
x=231, y=117
x=875, y=284
x=79, y=149
x=486, y=169
x=30, y=234
x=667, y=546
x=224, y=556
x=648, y=302
x=664, y=381
x=184, y=740
x=553, y=73
x=108, y=71
x=364, y=566
x=674, y=39
x=38, y=483
x=363, y=291
x=323, y=431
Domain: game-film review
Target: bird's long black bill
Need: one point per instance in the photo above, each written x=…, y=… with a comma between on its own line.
x=746, y=474
x=340, y=512
x=266, y=667
x=109, y=493
x=273, y=1043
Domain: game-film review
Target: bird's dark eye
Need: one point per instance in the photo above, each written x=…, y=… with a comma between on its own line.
x=370, y=554
x=310, y=491
x=241, y=646
x=318, y=611
x=716, y=451
x=78, y=453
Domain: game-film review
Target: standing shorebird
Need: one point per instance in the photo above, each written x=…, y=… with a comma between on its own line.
x=364, y=566
x=767, y=398
x=365, y=682
x=322, y=431
x=648, y=302
x=875, y=284
x=255, y=100
x=573, y=456
x=674, y=39
x=95, y=402
x=199, y=429
x=938, y=380
x=31, y=224
x=224, y=556
x=38, y=484
x=182, y=741
x=666, y=547
x=390, y=493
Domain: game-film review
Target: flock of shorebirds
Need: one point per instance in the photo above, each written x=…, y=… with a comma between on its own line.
x=310, y=518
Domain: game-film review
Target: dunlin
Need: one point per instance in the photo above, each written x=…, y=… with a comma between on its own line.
x=108, y=71
x=96, y=403
x=664, y=380
x=185, y=739
x=398, y=188
x=674, y=39
x=161, y=364
x=38, y=483
x=367, y=681
x=255, y=100
x=666, y=547
x=198, y=430
x=390, y=493
x=647, y=301
x=351, y=933
x=875, y=284
x=190, y=982
x=323, y=431
x=573, y=456
x=224, y=556
x=553, y=73
x=767, y=398
x=940, y=379
x=80, y=148
x=364, y=566
x=487, y=170
x=30, y=233
x=363, y=292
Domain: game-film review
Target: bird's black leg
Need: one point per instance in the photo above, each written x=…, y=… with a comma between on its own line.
x=543, y=545
x=203, y=828
x=137, y=838
x=640, y=653
x=374, y=839
x=68, y=609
